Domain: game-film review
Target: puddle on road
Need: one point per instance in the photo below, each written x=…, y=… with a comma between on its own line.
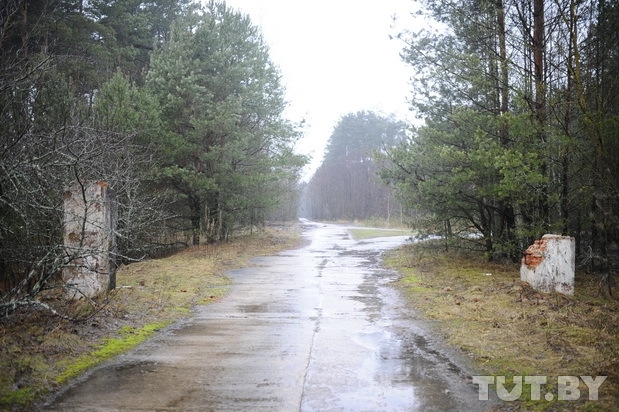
x=397, y=369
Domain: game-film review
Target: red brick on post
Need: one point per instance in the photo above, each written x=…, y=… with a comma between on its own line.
x=549, y=264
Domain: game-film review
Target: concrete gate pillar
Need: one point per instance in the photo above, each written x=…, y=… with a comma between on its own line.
x=549, y=264
x=89, y=222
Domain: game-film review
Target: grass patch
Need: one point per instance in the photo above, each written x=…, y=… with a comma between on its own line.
x=39, y=352
x=369, y=233
x=129, y=338
x=511, y=330
x=19, y=397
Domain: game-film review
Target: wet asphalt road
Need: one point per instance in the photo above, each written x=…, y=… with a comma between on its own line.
x=312, y=329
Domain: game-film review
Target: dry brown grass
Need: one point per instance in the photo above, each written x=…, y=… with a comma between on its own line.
x=510, y=329
x=38, y=351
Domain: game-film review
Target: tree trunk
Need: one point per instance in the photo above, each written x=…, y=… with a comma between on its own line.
x=195, y=208
x=570, y=98
x=508, y=216
x=540, y=100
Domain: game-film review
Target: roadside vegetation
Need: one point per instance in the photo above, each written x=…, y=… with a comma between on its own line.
x=175, y=105
x=40, y=352
x=508, y=329
x=371, y=232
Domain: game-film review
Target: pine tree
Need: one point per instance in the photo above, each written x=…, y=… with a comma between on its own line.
x=227, y=150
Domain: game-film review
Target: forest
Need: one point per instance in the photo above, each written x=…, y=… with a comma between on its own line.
x=518, y=103
x=176, y=105
x=179, y=108
x=521, y=135
x=346, y=186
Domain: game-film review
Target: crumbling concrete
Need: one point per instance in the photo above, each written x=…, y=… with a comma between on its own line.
x=549, y=264
x=90, y=216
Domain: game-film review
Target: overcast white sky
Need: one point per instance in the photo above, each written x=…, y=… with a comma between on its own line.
x=336, y=58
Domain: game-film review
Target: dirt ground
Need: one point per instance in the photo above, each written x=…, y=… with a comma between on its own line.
x=511, y=330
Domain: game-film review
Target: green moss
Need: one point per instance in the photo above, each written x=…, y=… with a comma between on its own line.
x=18, y=373
x=416, y=289
x=129, y=338
x=23, y=396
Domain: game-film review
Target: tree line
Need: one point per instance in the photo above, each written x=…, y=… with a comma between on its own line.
x=521, y=135
x=346, y=186
x=175, y=104
x=519, y=103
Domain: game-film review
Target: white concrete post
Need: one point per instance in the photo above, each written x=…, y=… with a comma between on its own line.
x=549, y=264
x=89, y=222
